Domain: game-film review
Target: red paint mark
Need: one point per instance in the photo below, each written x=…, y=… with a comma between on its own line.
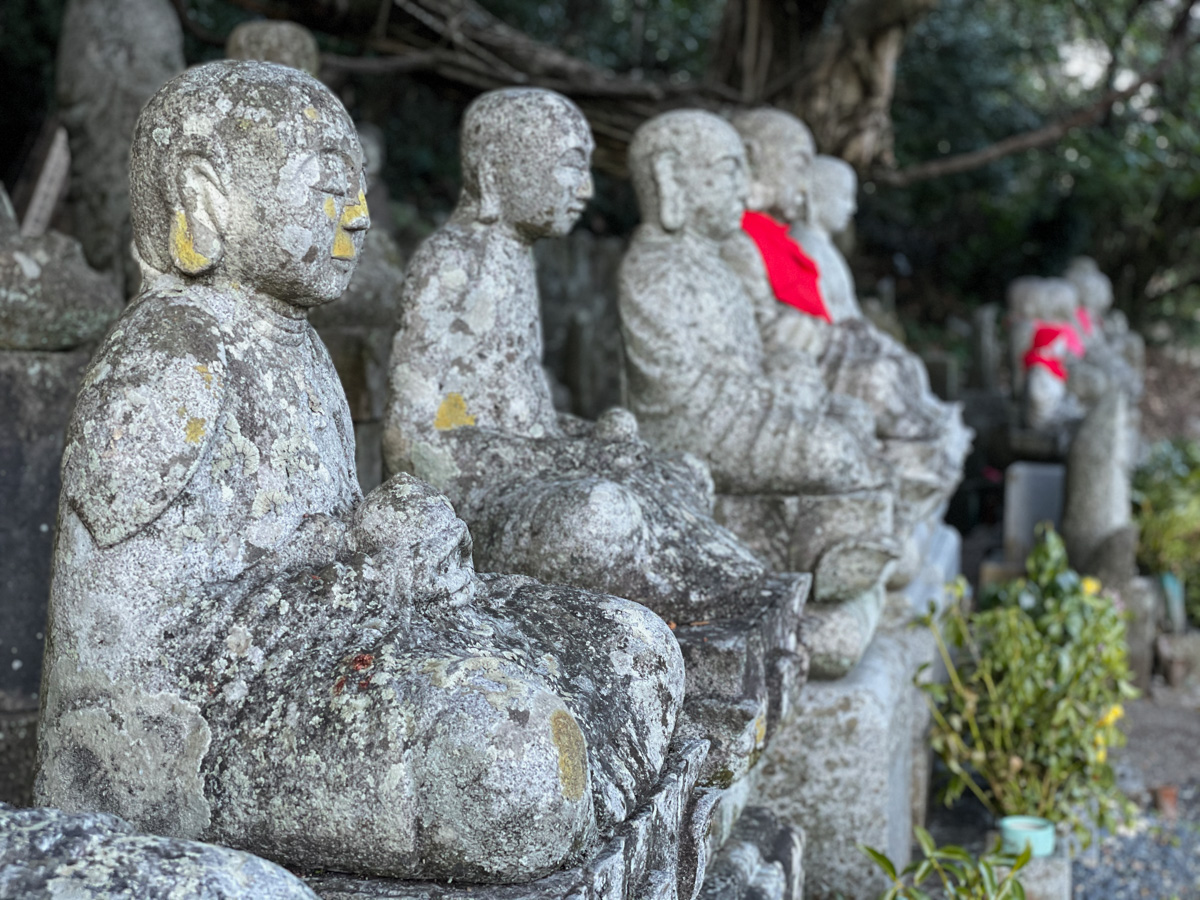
x=362, y=661
x=339, y=685
x=365, y=683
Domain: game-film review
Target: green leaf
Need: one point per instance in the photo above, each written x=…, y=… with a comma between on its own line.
x=880, y=860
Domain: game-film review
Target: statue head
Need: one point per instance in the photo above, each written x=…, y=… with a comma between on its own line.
x=1047, y=299
x=526, y=161
x=689, y=172
x=779, y=152
x=1094, y=287
x=249, y=174
x=280, y=42
x=834, y=193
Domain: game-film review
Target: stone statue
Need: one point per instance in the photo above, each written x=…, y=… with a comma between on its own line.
x=1045, y=348
x=241, y=647
x=547, y=495
x=1108, y=341
x=832, y=202
x=277, y=41
x=922, y=436
x=818, y=494
x=111, y=58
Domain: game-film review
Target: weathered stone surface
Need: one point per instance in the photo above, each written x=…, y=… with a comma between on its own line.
x=832, y=202
x=112, y=57
x=49, y=853
x=49, y=298
x=1033, y=493
x=241, y=646
x=554, y=497
x=282, y=42
x=36, y=394
x=661, y=848
x=1109, y=342
x=841, y=768
x=1097, y=524
x=763, y=860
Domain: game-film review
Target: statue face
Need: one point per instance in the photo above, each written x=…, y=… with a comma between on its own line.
x=833, y=206
x=544, y=186
x=295, y=230
x=715, y=184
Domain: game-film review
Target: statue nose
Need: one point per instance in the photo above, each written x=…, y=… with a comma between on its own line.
x=356, y=216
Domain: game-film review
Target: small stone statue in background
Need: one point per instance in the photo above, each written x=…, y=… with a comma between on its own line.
x=1108, y=341
x=277, y=41
x=832, y=201
x=241, y=647
x=922, y=436
x=546, y=495
x=112, y=57
x=1045, y=347
x=801, y=465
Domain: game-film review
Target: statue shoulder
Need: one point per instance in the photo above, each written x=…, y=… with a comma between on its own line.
x=445, y=265
x=145, y=415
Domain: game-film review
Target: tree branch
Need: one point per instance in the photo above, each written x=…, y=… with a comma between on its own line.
x=1180, y=43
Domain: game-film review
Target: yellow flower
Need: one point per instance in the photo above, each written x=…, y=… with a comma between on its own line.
x=1102, y=755
x=1090, y=585
x=1114, y=712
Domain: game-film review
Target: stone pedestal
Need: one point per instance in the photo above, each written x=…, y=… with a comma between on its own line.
x=37, y=392
x=841, y=769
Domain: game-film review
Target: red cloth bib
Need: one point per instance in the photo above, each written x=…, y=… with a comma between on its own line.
x=793, y=275
x=1040, y=352
x=1085, y=320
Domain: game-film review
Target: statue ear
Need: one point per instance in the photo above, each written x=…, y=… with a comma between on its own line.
x=489, y=193
x=197, y=242
x=672, y=204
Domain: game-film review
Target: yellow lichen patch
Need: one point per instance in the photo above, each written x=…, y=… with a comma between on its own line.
x=187, y=257
x=194, y=430
x=311, y=113
x=760, y=731
x=181, y=412
x=453, y=413
x=354, y=210
x=572, y=754
x=330, y=208
x=205, y=374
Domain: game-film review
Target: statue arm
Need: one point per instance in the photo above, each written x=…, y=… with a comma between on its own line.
x=144, y=419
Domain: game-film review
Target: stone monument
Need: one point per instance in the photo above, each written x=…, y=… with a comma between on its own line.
x=53, y=308
x=241, y=647
x=553, y=496
x=923, y=437
x=276, y=41
x=112, y=56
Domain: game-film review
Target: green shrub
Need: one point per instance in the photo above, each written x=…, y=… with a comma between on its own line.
x=1166, y=496
x=960, y=875
x=1029, y=713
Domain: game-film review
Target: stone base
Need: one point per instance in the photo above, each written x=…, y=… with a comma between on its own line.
x=841, y=769
x=658, y=853
x=742, y=677
x=1047, y=878
x=763, y=860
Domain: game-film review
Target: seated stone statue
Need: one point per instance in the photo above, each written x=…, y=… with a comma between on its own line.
x=922, y=436
x=1108, y=341
x=470, y=410
x=818, y=495
x=832, y=201
x=243, y=649
x=1045, y=350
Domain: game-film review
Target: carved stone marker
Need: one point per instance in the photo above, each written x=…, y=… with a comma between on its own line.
x=555, y=497
x=111, y=58
x=241, y=647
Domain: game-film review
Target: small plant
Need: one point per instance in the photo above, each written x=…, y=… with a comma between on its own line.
x=1166, y=496
x=959, y=874
x=1029, y=713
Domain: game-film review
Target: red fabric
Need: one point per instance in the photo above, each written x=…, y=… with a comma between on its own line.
x=792, y=273
x=1040, y=353
x=1085, y=320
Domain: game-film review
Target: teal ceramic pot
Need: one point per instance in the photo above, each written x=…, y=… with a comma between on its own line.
x=1017, y=831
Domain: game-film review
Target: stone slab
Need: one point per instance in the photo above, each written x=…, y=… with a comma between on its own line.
x=37, y=392
x=841, y=768
x=1033, y=493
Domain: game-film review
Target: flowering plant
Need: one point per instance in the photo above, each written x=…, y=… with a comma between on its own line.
x=1029, y=712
